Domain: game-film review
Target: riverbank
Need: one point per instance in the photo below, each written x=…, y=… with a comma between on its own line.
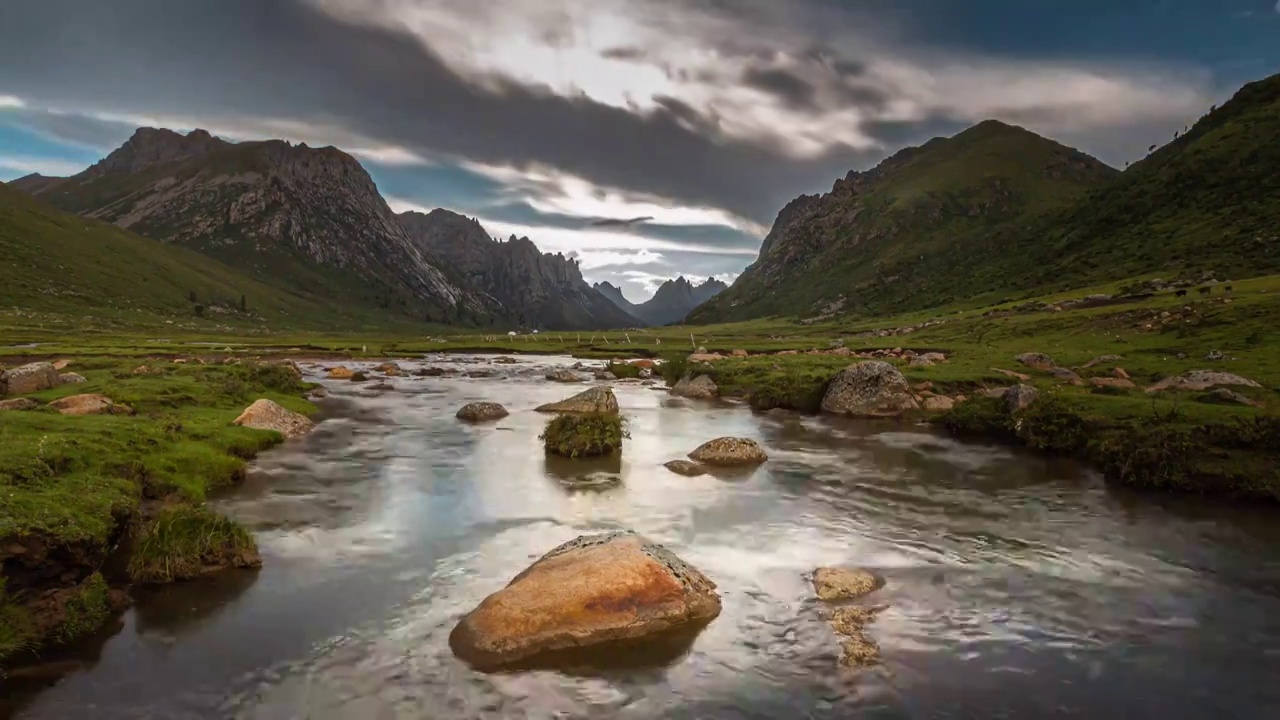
x=92, y=503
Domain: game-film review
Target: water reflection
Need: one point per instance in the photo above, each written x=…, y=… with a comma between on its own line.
x=1017, y=586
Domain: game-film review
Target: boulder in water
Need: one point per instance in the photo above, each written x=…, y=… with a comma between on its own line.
x=29, y=378
x=566, y=376
x=594, y=591
x=701, y=387
x=341, y=373
x=687, y=468
x=869, y=389
x=729, y=452
x=266, y=415
x=833, y=583
x=482, y=412
x=599, y=399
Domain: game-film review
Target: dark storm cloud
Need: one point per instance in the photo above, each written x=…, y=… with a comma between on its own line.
x=70, y=128
x=620, y=222
x=624, y=53
x=286, y=59
x=783, y=83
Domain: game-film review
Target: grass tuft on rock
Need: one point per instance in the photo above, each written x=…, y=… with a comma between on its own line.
x=584, y=435
x=624, y=371
x=183, y=540
x=86, y=611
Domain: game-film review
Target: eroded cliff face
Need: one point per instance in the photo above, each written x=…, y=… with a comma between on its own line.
x=304, y=216
x=541, y=290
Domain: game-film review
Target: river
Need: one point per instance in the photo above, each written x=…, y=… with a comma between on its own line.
x=1017, y=586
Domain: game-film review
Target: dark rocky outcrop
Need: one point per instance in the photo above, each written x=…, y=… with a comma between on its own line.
x=594, y=591
x=541, y=290
x=306, y=219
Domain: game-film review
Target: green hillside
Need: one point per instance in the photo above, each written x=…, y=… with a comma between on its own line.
x=892, y=238
x=57, y=264
x=998, y=213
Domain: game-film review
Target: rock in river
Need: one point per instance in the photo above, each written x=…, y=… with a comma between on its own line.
x=482, y=412
x=341, y=373
x=701, y=387
x=729, y=451
x=589, y=592
x=29, y=378
x=687, y=468
x=869, y=389
x=832, y=583
x=266, y=415
x=599, y=399
x=566, y=376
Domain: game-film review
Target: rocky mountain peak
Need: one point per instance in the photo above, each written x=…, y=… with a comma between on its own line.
x=148, y=147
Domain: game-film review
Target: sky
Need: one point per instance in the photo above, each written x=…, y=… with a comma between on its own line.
x=647, y=138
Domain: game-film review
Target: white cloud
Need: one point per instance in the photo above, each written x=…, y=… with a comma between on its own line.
x=551, y=191
x=9, y=101
x=1278, y=6
x=14, y=166
x=584, y=241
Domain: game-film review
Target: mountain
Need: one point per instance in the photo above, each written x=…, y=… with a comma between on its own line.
x=894, y=237
x=307, y=220
x=541, y=290
x=998, y=213
x=670, y=304
x=58, y=267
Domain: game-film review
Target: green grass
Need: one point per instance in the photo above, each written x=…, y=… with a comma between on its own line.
x=80, y=482
x=584, y=435
x=60, y=270
x=624, y=371
x=181, y=541
x=17, y=631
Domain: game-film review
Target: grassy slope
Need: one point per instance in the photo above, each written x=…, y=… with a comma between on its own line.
x=75, y=483
x=58, y=269
x=897, y=243
x=1204, y=202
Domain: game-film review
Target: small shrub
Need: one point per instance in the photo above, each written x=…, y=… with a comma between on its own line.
x=673, y=368
x=87, y=611
x=1159, y=457
x=1053, y=425
x=183, y=540
x=979, y=417
x=584, y=435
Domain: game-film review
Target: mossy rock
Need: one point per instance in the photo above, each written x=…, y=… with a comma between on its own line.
x=584, y=435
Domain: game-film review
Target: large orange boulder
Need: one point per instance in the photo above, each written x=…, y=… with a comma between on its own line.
x=589, y=592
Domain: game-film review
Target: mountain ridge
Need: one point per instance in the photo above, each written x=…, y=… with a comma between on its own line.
x=542, y=290
x=671, y=303
x=307, y=218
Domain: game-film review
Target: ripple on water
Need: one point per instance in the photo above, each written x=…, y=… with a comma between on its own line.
x=1016, y=586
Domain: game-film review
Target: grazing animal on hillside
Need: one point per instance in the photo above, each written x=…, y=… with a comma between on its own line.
x=1204, y=290
x=1227, y=289
x=1181, y=293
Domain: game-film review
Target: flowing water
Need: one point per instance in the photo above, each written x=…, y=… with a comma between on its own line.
x=1017, y=587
